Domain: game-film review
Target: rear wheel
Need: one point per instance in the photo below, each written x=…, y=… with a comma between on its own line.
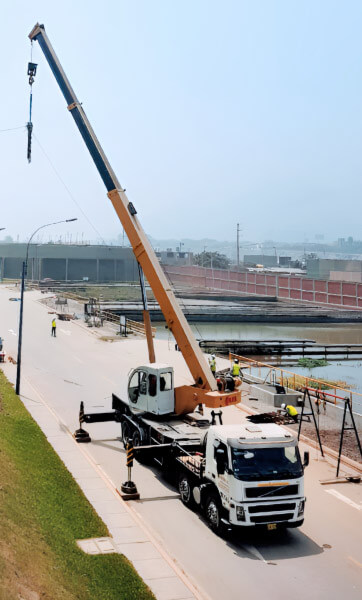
x=185, y=489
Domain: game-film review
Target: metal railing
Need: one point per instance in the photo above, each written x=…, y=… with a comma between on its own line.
x=324, y=389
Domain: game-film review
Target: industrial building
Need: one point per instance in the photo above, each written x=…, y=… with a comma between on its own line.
x=335, y=269
x=66, y=262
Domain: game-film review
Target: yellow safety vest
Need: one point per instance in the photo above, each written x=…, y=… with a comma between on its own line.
x=291, y=410
x=53, y=323
x=213, y=365
x=236, y=370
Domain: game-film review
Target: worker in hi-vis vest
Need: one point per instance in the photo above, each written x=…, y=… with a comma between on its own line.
x=235, y=371
x=291, y=411
x=54, y=328
x=212, y=363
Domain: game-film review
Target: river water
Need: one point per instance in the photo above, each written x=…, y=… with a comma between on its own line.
x=349, y=371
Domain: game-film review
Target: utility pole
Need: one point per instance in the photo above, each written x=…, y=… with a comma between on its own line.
x=237, y=246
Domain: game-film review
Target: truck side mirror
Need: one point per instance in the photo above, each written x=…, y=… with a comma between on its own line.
x=220, y=461
x=306, y=459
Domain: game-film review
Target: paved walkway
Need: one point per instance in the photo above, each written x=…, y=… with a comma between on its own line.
x=129, y=535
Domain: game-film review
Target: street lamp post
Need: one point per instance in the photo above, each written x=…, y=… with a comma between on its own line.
x=23, y=275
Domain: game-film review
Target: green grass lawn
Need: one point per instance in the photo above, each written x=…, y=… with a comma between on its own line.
x=42, y=514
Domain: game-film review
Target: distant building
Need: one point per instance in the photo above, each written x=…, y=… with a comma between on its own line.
x=260, y=259
x=334, y=269
x=171, y=257
x=285, y=261
x=66, y=262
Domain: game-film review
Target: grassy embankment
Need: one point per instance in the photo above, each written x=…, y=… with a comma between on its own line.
x=42, y=514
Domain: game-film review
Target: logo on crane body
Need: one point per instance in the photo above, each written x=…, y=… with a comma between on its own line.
x=231, y=400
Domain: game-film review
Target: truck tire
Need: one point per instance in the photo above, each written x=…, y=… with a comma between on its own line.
x=142, y=457
x=126, y=433
x=185, y=490
x=213, y=513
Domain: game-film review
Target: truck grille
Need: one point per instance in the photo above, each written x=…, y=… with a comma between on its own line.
x=272, y=518
x=257, y=492
x=263, y=508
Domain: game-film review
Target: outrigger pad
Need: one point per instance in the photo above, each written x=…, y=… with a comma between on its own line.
x=82, y=436
x=129, y=491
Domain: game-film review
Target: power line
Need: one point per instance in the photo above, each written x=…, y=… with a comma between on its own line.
x=68, y=190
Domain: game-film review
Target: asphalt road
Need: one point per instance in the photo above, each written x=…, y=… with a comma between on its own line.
x=321, y=560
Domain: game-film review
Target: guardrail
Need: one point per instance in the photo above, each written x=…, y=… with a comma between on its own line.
x=325, y=390
x=134, y=326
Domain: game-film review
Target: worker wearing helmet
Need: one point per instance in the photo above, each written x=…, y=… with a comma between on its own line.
x=212, y=363
x=235, y=371
x=291, y=411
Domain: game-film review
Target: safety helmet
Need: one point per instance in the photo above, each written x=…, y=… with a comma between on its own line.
x=212, y=355
x=236, y=360
x=283, y=405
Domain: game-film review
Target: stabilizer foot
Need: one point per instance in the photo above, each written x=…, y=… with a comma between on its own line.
x=129, y=491
x=82, y=436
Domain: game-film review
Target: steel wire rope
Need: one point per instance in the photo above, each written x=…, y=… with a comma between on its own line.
x=68, y=190
x=13, y=128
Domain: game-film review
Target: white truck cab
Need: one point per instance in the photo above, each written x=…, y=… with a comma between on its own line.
x=258, y=473
x=151, y=389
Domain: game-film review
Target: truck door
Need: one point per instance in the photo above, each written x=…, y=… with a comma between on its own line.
x=221, y=470
x=137, y=386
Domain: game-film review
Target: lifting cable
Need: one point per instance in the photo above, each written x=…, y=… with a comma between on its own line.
x=31, y=72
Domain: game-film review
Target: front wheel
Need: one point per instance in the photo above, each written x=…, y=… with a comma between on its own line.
x=185, y=489
x=213, y=513
x=142, y=456
x=126, y=433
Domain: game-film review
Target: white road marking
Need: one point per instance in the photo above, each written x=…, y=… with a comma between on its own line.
x=65, y=331
x=344, y=499
x=255, y=552
x=358, y=564
x=12, y=331
x=78, y=359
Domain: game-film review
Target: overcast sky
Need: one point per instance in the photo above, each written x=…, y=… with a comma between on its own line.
x=209, y=112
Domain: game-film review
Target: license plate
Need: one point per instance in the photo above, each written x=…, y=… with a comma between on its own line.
x=271, y=526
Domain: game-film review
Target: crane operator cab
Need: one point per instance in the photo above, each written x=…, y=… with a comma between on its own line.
x=150, y=389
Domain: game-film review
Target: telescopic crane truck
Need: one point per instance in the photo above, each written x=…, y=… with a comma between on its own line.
x=204, y=390
x=241, y=475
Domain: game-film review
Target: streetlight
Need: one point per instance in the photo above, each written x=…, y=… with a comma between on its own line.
x=23, y=275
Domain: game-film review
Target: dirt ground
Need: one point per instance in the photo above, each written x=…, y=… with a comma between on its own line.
x=331, y=438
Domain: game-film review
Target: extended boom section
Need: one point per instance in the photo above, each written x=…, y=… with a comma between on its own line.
x=142, y=248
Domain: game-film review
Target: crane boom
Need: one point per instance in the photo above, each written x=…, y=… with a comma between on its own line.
x=126, y=212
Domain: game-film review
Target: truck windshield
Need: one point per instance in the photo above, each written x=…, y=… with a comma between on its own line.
x=266, y=463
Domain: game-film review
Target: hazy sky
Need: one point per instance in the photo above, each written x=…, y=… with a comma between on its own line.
x=209, y=112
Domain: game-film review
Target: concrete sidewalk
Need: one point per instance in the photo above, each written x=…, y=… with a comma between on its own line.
x=128, y=534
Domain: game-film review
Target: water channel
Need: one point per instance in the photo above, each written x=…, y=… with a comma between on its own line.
x=339, y=369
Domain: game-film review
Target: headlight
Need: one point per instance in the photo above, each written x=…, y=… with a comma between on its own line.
x=240, y=513
x=301, y=507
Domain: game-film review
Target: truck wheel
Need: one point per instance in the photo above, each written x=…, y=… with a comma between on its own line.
x=213, y=513
x=126, y=433
x=142, y=457
x=185, y=489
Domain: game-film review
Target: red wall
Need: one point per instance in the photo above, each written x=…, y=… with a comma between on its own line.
x=333, y=293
